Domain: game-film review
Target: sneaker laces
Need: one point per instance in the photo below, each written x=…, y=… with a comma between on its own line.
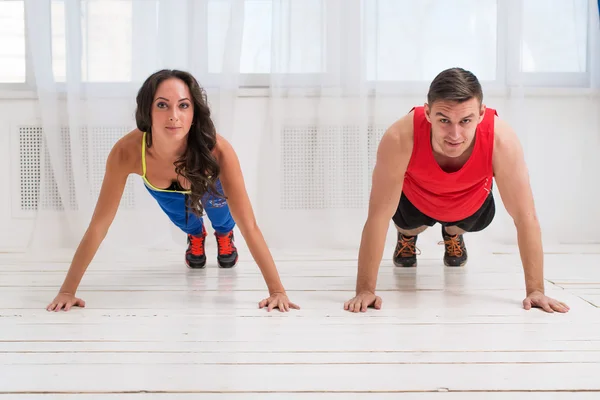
x=407, y=247
x=196, y=245
x=453, y=246
x=225, y=243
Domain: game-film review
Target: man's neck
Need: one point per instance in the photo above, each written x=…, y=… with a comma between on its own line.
x=453, y=164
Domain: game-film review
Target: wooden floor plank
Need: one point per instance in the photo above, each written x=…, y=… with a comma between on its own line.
x=155, y=330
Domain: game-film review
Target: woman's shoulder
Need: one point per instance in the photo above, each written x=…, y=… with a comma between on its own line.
x=222, y=148
x=127, y=151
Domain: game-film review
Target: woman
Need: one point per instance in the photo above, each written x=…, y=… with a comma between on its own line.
x=188, y=168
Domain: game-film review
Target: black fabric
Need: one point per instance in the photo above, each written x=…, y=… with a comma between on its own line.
x=408, y=217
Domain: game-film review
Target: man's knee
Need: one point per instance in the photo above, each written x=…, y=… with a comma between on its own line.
x=475, y=223
x=411, y=232
x=454, y=230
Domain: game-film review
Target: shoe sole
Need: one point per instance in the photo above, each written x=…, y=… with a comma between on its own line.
x=405, y=265
x=192, y=266
x=459, y=265
x=228, y=265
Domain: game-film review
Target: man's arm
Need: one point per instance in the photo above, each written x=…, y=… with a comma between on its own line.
x=393, y=155
x=512, y=178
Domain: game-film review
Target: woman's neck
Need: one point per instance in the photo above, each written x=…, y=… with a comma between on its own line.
x=168, y=150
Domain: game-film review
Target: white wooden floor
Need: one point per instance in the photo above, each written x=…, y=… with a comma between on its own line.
x=154, y=330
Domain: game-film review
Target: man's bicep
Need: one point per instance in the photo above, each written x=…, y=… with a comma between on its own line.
x=388, y=176
x=512, y=176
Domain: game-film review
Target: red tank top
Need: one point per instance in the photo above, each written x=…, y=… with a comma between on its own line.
x=444, y=196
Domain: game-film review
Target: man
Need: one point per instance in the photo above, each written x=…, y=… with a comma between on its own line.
x=437, y=164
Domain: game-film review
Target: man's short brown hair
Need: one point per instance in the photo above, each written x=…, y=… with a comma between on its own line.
x=455, y=84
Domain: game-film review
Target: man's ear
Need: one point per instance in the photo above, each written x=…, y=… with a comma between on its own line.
x=427, y=110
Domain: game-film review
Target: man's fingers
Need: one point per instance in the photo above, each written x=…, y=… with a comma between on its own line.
x=558, y=306
x=378, y=302
x=367, y=303
x=546, y=306
x=362, y=303
x=364, y=307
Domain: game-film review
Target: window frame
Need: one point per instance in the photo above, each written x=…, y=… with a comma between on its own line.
x=508, y=73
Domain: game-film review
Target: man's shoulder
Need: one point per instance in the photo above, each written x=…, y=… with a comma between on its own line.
x=506, y=141
x=402, y=130
x=503, y=132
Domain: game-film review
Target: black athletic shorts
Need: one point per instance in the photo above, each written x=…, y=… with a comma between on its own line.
x=409, y=217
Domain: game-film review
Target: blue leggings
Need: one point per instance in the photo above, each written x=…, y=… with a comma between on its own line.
x=217, y=210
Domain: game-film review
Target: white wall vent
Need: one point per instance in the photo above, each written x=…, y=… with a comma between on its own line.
x=35, y=165
x=327, y=167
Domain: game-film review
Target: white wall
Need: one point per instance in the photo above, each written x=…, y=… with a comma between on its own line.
x=561, y=137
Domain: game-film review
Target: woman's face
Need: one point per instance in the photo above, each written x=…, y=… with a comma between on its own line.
x=172, y=110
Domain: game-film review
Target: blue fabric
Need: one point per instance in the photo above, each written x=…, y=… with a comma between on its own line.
x=216, y=208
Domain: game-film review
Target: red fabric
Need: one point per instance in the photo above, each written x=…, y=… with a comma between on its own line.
x=449, y=197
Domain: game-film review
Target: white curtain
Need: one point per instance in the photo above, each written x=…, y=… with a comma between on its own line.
x=376, y=60
x=304, y=89
x=89, y=58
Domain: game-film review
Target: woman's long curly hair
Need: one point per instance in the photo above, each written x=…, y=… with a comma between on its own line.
x=197, y=163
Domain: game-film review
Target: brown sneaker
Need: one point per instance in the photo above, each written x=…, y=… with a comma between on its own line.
x=456, y=251
x=405, y=254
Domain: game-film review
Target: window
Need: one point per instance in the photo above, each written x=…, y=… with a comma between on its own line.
x=532, y=42
x=12, y=37
x=414, y=40
x=106, y=40
x=296, y=26
x=554, y=36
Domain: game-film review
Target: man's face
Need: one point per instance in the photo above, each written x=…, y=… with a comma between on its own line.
x=453, y=125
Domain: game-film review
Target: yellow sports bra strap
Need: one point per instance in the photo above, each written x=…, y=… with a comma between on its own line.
x=144, y=154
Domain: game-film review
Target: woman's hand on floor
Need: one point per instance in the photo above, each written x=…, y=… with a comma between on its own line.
x=66, y=301
x=278, y=300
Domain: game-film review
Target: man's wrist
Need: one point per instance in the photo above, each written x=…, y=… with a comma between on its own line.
x=361, y=291
x=532, y=290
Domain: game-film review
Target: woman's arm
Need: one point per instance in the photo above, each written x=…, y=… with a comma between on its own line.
x=112, y=189
x=234, y=188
